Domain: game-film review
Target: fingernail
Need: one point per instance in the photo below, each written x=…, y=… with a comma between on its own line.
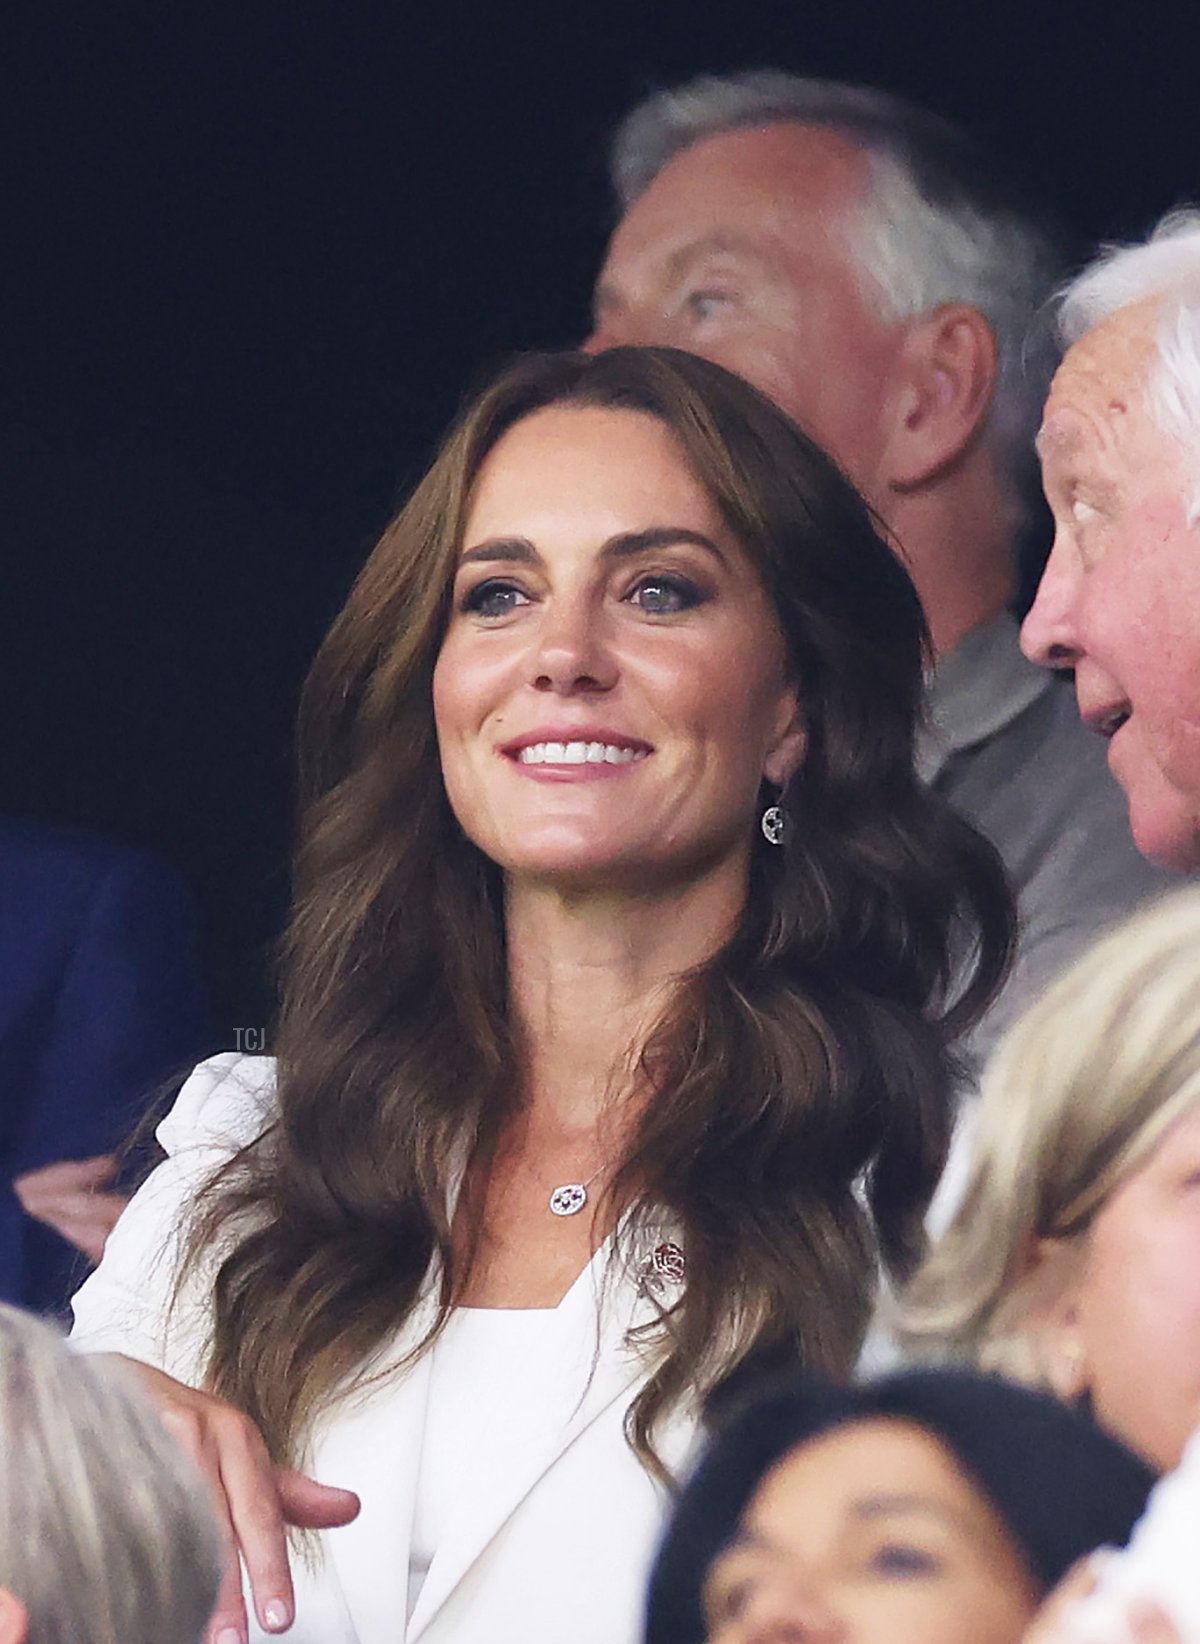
x=276, y=1615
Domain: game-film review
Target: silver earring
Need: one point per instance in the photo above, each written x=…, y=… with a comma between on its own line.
x=774, y=824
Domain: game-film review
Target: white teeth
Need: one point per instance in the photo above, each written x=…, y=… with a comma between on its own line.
x=578, y=753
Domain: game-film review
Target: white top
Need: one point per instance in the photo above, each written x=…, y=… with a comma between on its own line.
x=540, y=1521
x=471, y=1416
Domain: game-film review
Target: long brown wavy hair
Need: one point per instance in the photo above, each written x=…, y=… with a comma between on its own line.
x=800, y=1078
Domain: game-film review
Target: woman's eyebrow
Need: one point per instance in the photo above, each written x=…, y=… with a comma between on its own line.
x=628, y=543
x=518, y=549
x=625, y=545
x=899, y=1502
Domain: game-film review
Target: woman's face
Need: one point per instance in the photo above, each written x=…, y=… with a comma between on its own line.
x=611, y=689
x=1132, y=1312
x=869, y=1534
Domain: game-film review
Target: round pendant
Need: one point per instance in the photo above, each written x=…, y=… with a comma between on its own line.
x=569, y=1199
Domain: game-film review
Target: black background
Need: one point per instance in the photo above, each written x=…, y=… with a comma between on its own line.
x=253, y=257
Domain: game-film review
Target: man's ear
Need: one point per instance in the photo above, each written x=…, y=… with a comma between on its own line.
x=14, y=1618
x=944, y=383
x=1053, y=1319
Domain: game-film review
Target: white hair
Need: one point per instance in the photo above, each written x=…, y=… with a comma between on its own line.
x=1165, y=268
x=932, y=229
x=106, y=1531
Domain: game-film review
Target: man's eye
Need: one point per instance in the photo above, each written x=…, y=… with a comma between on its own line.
x=663, y=596
x=706, y=305
x=1082, y=512
x=493, y=599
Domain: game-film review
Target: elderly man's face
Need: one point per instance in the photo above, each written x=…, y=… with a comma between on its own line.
x=738, y=251
x=1120, y=598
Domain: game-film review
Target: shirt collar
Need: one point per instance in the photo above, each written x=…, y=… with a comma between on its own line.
x=975, y=691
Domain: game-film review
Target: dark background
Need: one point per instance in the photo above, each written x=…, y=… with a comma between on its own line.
x=252, y=258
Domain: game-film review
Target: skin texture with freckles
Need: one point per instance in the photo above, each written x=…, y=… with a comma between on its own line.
x=672, y=649
x=870, y=1534
x=1120, y=597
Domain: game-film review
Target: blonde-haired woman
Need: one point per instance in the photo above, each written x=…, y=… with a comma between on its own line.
x=1075, y=1256
x=106, y=1531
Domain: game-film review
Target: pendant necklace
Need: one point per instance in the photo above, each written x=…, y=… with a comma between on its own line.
x=570, y=1198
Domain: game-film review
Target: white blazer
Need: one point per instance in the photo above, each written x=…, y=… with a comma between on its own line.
x=555, y=1535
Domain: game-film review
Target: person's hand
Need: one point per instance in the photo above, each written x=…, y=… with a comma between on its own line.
x=255, y=1501
x=1054, y=1623
x=66, y=1197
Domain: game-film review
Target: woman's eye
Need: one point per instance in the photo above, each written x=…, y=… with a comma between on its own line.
x=902, y=1560
x=663, y=596
x=493, y=599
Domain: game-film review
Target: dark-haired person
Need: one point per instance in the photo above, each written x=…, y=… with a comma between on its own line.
x=933, y=1507
x=614, y=1048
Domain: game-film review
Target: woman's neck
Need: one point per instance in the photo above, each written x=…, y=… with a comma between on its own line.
x=589, y=975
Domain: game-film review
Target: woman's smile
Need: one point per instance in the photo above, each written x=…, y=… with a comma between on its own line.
x=611, y=642
x=575, y=754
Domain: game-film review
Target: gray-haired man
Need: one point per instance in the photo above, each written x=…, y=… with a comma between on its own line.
x=847, y=253
x=1119, y=603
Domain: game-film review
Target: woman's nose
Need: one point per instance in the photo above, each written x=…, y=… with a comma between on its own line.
x=572, y=651
x=1049, y=634
x=786, y=1612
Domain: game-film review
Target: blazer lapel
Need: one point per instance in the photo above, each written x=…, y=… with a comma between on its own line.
x=593, y=1367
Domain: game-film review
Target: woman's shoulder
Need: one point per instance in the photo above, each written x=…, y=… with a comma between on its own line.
x=226, y=1101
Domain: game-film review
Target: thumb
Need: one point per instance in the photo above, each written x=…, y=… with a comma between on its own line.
x=312, y=1506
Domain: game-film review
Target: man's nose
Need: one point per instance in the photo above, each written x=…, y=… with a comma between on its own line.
x=624, y=326
x=607, y=332
x=1049, y=634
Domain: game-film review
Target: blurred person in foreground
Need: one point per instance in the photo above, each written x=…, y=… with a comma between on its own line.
x=1074, y=1259
x=1119, y=603
x=854, y=258
x=107, y=1535
x=931, y=1507
x=620, y=992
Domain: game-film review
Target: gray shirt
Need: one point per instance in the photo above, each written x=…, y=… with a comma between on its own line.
x=1005, y=745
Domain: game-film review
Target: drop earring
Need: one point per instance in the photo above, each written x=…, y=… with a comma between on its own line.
x=774, y=824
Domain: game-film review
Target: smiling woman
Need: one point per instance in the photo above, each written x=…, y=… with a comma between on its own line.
x=594, y=1086
x=610, y=697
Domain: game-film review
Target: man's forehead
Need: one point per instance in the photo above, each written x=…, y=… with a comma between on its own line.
x=1113, y=357
x=768, y=173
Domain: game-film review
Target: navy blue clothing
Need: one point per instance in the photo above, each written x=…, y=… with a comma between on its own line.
x=100, y=1003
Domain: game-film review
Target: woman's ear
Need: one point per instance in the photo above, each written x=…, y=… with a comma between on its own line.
x=14, y=1619
x=944, y=385
x=1053, y=1320
x=786, y=752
